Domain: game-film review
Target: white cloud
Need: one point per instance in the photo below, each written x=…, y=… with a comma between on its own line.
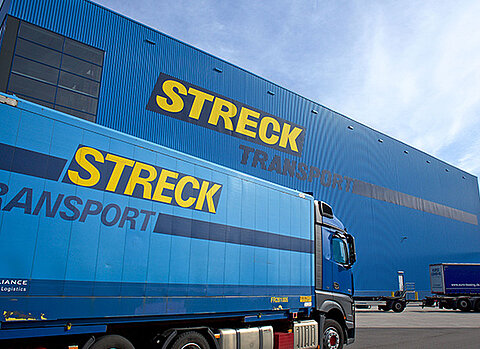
x=420, y=80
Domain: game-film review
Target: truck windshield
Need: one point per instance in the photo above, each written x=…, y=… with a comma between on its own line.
x=339, y=251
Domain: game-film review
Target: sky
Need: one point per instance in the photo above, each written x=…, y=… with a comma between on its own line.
x=409, y=69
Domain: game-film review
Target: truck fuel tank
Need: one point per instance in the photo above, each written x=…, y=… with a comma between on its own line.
x=246, y=338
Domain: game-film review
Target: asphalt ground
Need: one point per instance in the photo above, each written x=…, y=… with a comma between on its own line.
x=417, y=328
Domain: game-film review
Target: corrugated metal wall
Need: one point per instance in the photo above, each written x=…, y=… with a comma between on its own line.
x=390, y=237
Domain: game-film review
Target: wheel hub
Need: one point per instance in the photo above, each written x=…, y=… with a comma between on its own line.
x=332, y=338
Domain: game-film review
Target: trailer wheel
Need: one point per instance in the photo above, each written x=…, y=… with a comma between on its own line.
x=190, y=340
x=112, y=342
x=464, y=304
x=398, y=306
x=333, y=337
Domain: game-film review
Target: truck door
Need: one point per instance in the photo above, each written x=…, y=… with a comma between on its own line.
x=341, y=276
x=336, y=274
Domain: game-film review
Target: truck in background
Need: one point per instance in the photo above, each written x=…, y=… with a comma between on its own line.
x=455, y=286
x=397, y=301
x=109, y=241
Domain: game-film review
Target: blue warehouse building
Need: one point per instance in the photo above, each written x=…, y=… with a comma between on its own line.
x=406, y=208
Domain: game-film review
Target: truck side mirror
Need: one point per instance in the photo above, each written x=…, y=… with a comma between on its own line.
x=351, y=249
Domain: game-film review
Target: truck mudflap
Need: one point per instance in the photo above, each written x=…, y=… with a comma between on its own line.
x=350, y=332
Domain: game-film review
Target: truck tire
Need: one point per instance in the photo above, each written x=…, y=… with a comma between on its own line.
x=333, y=336
x=112, y=341
x=477, y=305
x=398, y=306
x=190, y=340
x=463, y=304
x=429, y=302
x=383, y=307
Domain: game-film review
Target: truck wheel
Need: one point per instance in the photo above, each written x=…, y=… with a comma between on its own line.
x=333, y=336
x=112, y=342
x=463, y=304
x=443, y=304
x=190, y=340
x=398, y=306
x=429, y=302
x=383, y=307
x=477, y=305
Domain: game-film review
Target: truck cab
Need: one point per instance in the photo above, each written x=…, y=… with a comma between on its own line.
x=334, y=257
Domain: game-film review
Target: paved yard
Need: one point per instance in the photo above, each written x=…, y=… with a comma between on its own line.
x=417, y=328
x=416, y=317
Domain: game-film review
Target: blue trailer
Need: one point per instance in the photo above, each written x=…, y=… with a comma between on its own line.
x=455, y=286
x=110, y=241
x=83, y=59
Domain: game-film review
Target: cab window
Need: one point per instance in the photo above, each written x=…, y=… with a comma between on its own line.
x=339, y=251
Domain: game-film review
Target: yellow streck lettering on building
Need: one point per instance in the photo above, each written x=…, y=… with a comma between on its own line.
x=198, y=102
x=182, y=100
x=262, y=132
x=290, y=136
x=244, y=120
x=175, y=104
x=82, y=161
x=224, y=109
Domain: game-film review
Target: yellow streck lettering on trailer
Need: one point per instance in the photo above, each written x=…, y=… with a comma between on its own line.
x=207, y=193
x=188, y=202
x=120, y=175
x=93, y=173
x=163, y=184
x=137, y=179
x=120, y=164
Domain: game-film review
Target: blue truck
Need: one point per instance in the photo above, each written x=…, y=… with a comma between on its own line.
x=110, y=241
x=455, y=286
